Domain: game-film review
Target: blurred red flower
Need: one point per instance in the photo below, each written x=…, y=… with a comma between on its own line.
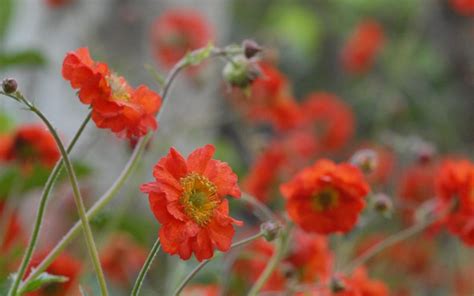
x=455, y=188
x=11, y=231
x=362, y=47
x=326, y=197
x=57, y=3
x=187, y=198
x=359, y=284
x=268, y=100
x=330, y=119
x=463, y=7
x=177, y=32
x=122, y=258
x=63, y=265
x=201, y=290
x=29, y=144
x=117, y=106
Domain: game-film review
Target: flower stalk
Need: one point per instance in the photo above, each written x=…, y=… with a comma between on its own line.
x=146, y=266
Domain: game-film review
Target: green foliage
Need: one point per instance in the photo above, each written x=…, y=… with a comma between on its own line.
x=41, y=280
x=29, y=57
x=6, y=123
x=6, y=12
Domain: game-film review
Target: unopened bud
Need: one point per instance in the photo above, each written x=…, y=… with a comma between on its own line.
x=366, y=160
x=337, y=285
x=382, y=203
x=425, y=153
x=240, y=72
x=251, y=48
x=9, y=85
x=270, y=230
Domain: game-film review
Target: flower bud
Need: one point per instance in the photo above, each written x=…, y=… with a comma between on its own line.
x=366, y=160
x=240, y=72
x=337, y=285
x=425, y=153
x=382, y=203
x=9, y=85
x=270, y=230
x=251, y=48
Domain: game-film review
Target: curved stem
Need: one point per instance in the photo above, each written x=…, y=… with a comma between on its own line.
x=117, y=185
x=146, y=266
x=272, y=264
x=189, y=277
x=42, y=206
x=260, y=206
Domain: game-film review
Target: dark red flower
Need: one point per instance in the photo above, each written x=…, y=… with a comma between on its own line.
x=188, y=200
x=57, y=3
x=463, y=7
x=178, y=32
x=362, y=47
x=122, y=258
x=326, y=197
x=127, y=111
x=28, y=145
x=63, y=265
x=329, y=118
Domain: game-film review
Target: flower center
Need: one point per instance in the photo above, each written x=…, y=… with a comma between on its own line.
x=199, y=198
x=119, y=87
x=325, y=199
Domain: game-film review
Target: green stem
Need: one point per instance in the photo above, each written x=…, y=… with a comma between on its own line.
x=272, y=264
x=265, y=211
x=77, y=198
x=189, y=277
x=146, y=266
x=42, y=206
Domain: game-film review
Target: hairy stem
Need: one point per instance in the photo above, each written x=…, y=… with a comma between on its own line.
x=190, y=276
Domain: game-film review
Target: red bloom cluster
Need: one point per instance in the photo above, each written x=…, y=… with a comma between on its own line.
x=187, y=198
x=362, y=47
x=29, y=144
x=126, y=111
x=178, y=32
x=455, y=193
x=326, y=197
x=122, y=258
x=63, y=265
x=463, y=7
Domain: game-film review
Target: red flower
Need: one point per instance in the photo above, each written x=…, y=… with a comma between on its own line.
x=311, y=257
x=361, y=285
x=362, y=47
x=330, y=119
x=201, y=290
x=63, y=265
x=115, y=105
x=326, y=197
x=57, y=3
x=30, y=144
x=268, y=99
x=253, y=261
x=122, y=258
x=463, y=7
x=455, y=188
x=11, y=232
x=178, y=32
x=187, y=198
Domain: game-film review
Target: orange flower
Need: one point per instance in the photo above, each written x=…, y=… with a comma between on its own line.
x=122, y=258
x=178, y=32
x=329, y=118
x=253, y=261
x=362, y=47
x=360, y=284
x=268, y=100
x=311, y=256
x=455, y=184
x=63, y=265
x=463, y=7
x=201, y=290
x=187, y=198
x=326, y=197
x=30, y=144
x=116, y=105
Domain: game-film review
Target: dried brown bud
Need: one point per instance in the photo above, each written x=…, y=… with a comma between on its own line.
x=382, y=203
x=366, y=160
x=337, y=285
x=270, y=230
x=251, y=48
x=9, y=85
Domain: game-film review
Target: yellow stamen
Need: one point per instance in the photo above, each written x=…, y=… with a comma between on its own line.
x=199, y=198
x=119, y=87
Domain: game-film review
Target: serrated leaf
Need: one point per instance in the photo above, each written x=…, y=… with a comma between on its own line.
x=29, y=57
x=43, y=279
x=197, y=57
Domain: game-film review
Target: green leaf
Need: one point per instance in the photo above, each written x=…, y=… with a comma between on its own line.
x=41, y=280
x=197, y=57
x=29, y=57
x=6, y=12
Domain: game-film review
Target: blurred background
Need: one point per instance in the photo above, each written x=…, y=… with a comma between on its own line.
x=413, y=94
